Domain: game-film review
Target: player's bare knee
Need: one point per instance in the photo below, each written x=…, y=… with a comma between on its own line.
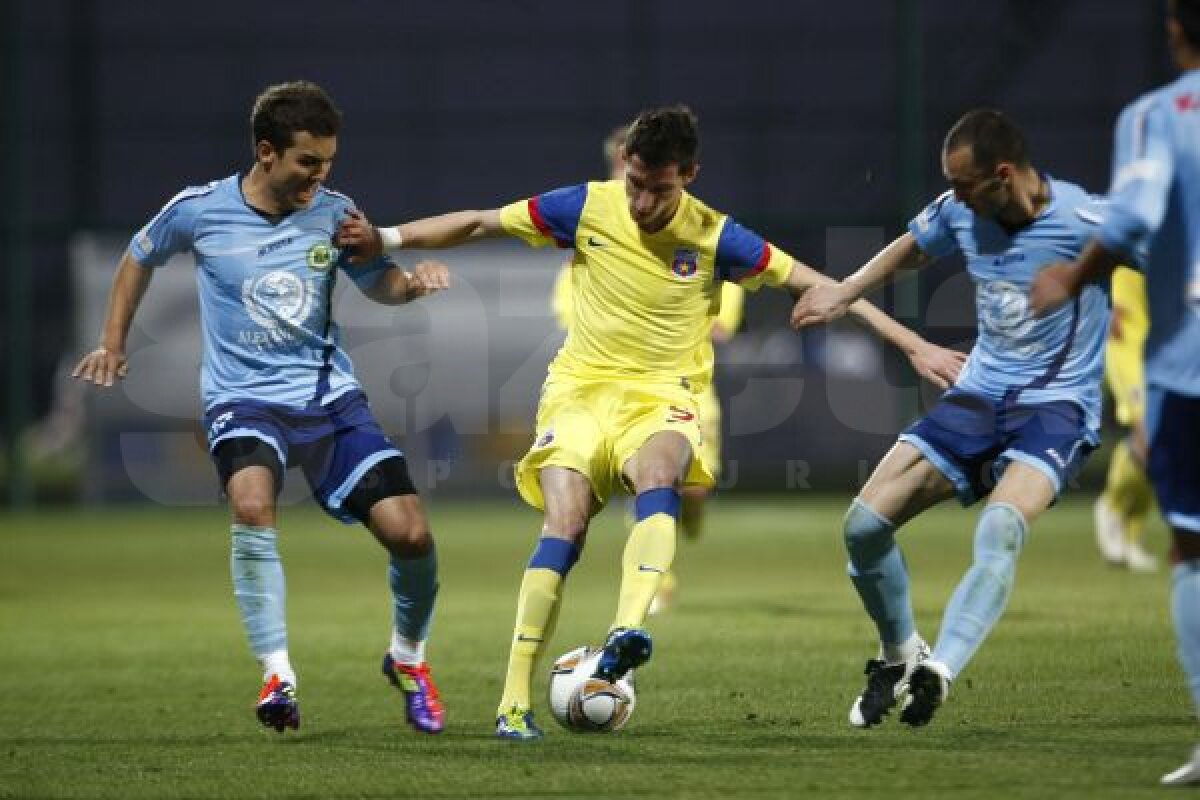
x=657, y=476
x=407, y=538
x=566, y=523
x=253, y=508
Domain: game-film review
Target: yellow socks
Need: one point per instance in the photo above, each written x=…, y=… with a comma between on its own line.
x=537, y=611
x=648, y=555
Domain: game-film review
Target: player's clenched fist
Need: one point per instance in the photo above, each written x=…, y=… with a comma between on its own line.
x=360, y=237
x=428, y=277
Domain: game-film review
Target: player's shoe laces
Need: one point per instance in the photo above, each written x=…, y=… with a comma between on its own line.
x=517, y=724
x=626, y=649
x=1187, y=775
x=884, y=683
x=422, y=704
x=928, y=688
x=277, y=705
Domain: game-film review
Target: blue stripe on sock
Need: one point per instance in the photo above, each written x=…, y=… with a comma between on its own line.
x=554, y=553
x=657, y=501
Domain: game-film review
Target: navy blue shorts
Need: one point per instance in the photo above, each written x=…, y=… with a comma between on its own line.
x=334, y=445
x=971, y=438
x=1173, y=430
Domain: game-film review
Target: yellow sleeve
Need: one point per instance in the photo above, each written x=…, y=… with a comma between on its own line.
x=733, y=300
x=517, y=221
x=779, y=266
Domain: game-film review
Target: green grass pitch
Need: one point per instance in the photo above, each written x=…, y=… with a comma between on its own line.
x=124, y=674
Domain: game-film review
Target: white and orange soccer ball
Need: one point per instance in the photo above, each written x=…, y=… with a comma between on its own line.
x=585, y=704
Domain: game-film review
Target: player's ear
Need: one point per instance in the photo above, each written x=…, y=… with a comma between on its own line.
x=265, y=153
x=690, y=173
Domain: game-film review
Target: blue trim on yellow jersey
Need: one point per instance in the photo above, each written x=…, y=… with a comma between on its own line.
x=741, y=252
x=556, y=214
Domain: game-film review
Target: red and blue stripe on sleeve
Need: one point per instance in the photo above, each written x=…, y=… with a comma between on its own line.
x=556, y=214
x=741, y=253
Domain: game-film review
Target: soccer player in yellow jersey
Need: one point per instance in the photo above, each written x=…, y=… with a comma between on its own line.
x=724, y=325
x=619, y=407
x=1122, y=509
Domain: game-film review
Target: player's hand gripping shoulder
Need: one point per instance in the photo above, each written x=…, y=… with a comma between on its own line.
x=102, y=366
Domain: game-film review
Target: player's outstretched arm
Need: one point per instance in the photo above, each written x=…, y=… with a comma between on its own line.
x=431, y=233
x=938, y=365
x=396, y=286
x=108, y=361
x=826, y=303
x=1064, y=280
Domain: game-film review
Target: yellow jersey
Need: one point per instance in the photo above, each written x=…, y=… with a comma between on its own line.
x=643, y=303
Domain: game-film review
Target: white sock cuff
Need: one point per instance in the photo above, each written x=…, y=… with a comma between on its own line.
x=406, y=651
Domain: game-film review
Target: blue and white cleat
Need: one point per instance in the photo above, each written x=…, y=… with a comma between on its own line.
x=277, y=705
x=626, y=649
x=517, y=724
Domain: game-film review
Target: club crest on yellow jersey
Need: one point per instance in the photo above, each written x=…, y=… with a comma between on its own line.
x=686, y=262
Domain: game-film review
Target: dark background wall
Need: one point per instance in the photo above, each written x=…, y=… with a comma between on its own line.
x=815, y=115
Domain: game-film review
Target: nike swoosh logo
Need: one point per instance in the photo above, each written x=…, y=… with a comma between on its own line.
x=523, y=638
x=644, y=568
x=594, y=242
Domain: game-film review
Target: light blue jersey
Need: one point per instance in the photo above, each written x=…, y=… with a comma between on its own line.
x=266, y=290
x=1155, y=207
x=1017, y=356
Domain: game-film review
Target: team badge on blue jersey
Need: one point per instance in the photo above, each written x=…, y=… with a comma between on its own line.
x=321, y=256
x=685, y=263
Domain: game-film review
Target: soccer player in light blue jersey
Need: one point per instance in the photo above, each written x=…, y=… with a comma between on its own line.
x=1016, y=426
x=278, y=389
x=1154, y=220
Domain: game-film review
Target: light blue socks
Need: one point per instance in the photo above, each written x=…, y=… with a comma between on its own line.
x=414, y=589
x=982, y=594
x=261, y=592
x=878, y=572
x=1185, y=613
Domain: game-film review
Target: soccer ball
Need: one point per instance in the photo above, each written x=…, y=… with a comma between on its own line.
x=585, y=704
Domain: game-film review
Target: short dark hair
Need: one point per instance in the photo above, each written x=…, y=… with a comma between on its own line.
x=662, y=136
x=286, y=108
x=992, y=137
x=1187, y=14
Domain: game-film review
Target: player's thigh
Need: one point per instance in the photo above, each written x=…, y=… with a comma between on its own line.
x=658, y=439
x=1026, y=487
x=904, y=484
x=662, y=461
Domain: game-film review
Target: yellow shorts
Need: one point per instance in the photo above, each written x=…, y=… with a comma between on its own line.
x=594, y=427
x=710, y=429
x=1125, y=378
